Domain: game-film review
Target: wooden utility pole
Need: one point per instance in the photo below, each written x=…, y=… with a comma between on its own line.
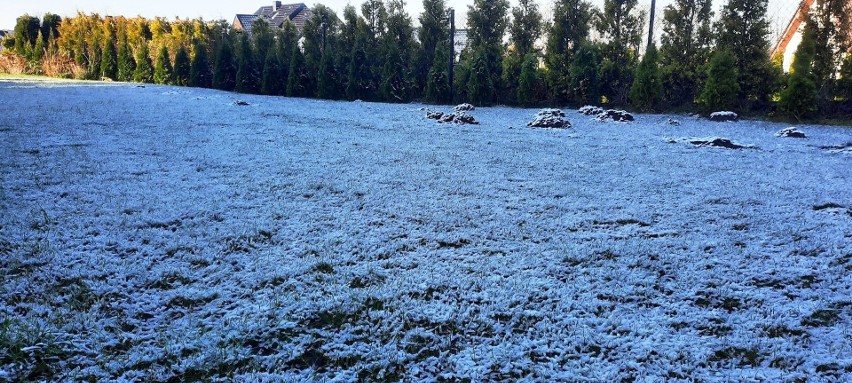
x=651, y=25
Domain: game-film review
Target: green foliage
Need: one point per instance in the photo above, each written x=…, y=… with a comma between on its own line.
x=685, y=50
x=38, y=49
x=96, y=56
x=487, y=22
x=126, y=63
x=81, y=54
x=525, y=28
x=721, y=88
x=50, y=23
x=799, y=99
x=526, y=93
x=144, y=69
x=273, y=72
x=344, y=49
x=287, y=38
x=224, y=68
x=523, y=33
x=585, y=85
x=200, y=75
x=163, y=71
x=433, y=33
x=744, y=30
x=462, y=75
x=9, y=43
x=844, y=85
x=647, y=89
x=30, y=351
x=438, y=84
x=262, y=39
x=327, y=78
x=480, y=88
x=319, y=29
x=376, y=57
x=26, y=32
x=570, y=28
x=375, y=16
x=830, y=21
x=298, y=79
x=109, y=61
x=248, y=75
x=362, y=83
x=396, y=83
x=621, y=28
x=512, y=75
x=182, y=67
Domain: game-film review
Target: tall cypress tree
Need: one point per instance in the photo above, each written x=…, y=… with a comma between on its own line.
x=288, y=38
x=685, y=48
x=328, y=80
x=399, y=47
x=126, y=63
x=224, y=69
x=26, y=32
x=163, y=71
x=744, y=30
x=375, y=17
x=81, y=52
x=182, y=67
x=52, y=45
x=317, y=32
x=799, y=99
x=270, y=83
x=569, y=30
x=434, y=31
x=345, y=47
x=438, y=84
x=621, y=27
x=721, y=88
x=487, y=22
x=523, y=33
x=362, y=83
x=200, y=75
x=262, y=40
x=831, y=21
x=95, y=58
x=247, y=79
x=144, y=69
x=480, y=88
x=528, y=80
x=38, y=49
x=50, y=23
x=647, y=89
x=298, y=82
x=585, y=83
x=109, y=62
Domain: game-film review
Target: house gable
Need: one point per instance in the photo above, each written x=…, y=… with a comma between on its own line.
x=276, y=15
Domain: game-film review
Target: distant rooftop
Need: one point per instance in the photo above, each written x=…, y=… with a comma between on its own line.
x=276, y=15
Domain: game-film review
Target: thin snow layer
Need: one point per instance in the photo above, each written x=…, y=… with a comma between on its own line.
x=156, y=233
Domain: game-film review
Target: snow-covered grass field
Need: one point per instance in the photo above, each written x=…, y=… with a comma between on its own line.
x=166, y=234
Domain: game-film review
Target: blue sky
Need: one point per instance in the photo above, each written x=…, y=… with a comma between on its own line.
x=226, y=9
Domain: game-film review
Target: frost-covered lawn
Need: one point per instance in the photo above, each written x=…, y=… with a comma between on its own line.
x=166, y=234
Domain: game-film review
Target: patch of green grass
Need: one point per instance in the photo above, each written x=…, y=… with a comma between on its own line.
x=323, y=267
x=743, y=356
x=169, y=279
x=31, y=352
x=188, y=302
x=822, y=318
x=783, y=332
